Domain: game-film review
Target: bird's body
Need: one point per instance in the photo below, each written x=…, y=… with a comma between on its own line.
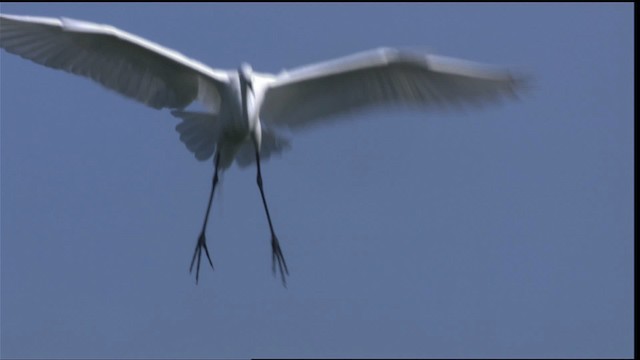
x=243, y=108
x=238, y=117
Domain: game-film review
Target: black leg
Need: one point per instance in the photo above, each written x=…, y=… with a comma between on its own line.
x=202, y=240
x=275, y=245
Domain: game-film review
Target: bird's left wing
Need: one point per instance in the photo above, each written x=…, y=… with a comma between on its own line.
x=135, y=67
x=381, y=77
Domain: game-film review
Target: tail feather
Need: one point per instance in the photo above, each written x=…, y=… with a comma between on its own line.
x=272, y=144
x=198, y=131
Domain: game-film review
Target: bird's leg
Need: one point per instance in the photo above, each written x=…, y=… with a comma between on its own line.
x=275, y=245
x=202, y=240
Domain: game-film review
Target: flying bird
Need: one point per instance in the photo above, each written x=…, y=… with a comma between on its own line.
x=243, y=109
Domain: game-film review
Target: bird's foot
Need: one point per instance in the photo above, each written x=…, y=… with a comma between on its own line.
x=279, y=257
x=201, y=244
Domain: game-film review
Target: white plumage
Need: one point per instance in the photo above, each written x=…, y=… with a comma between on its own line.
x=244, y=108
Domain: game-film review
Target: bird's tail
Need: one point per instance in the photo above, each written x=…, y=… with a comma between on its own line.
x=198, y=131
x=271, y=144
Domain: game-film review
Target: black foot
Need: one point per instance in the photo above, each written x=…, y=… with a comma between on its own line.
x=277, y=255
x=201, y=244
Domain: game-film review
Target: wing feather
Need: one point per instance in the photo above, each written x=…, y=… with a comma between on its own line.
x=135, y=67
x=382, y=77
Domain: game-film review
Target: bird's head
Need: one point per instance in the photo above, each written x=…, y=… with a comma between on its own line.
x=245, y=71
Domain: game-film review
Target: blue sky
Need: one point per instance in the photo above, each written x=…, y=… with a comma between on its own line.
x=505, y=231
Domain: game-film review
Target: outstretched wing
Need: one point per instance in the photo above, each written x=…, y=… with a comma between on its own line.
x=135, y=67
x=380, y=77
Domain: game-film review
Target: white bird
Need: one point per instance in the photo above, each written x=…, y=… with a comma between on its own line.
x=243, y=107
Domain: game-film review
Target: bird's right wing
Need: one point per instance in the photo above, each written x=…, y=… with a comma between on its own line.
x=135, y=67
x=381, y=77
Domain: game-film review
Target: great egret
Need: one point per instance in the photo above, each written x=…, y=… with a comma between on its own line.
x=243, y=107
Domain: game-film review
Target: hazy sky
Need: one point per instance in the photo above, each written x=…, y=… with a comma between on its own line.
x=505, y=231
